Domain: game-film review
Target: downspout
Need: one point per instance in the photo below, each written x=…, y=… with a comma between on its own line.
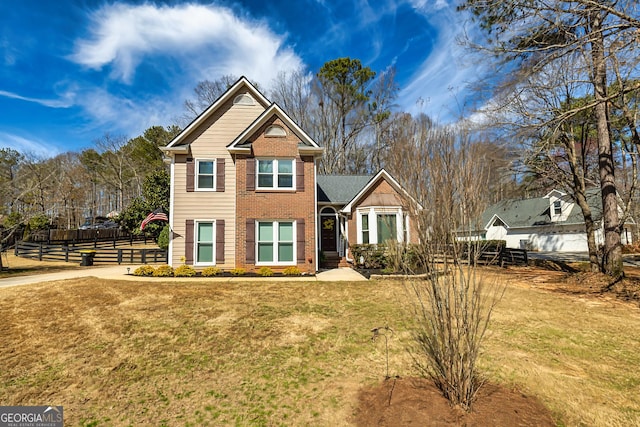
x=315, y=207
x=171, y=208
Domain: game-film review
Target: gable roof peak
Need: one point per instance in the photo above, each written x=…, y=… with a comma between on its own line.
x=230, y=93
x=311, y=147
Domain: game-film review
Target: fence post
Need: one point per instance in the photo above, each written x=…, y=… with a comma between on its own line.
x=143, y=256
x=40, y=252
x=119, y=256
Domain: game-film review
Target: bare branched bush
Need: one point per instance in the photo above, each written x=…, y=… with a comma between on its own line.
x=451, y=306
x=452, y=312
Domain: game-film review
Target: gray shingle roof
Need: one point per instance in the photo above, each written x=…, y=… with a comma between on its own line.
x=536, y=211
x=340, y=189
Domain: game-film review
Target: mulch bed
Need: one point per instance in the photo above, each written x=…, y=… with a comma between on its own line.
x=417, y=401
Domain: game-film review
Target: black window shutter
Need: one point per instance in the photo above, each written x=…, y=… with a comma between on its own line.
x=299, y=175
x=220, y=241
x=219, y=174
x=251, y=174
x=191, y=172
x=251, y=241
x=188, y=242
x=300, y=240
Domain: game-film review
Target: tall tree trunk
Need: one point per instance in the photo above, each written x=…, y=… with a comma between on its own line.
x=612, y=256
x=590, y=229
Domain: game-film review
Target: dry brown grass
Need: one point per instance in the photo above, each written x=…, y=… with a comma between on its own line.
x=277, y=353
x=24, y=266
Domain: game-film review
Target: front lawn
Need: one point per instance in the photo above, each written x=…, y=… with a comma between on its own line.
x=296, y=353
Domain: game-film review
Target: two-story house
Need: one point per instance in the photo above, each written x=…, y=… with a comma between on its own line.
x=244, y=192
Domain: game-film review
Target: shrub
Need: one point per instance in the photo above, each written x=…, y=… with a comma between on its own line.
x=370, y=256
x=238, y=272
x=184, y=271
x=163, y=238
x=211, y=271
x=265, y=272
x=163, y=271
x=144, y=270
x=291, y=271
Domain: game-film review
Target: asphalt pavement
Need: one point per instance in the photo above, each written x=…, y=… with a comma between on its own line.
x=628, y=259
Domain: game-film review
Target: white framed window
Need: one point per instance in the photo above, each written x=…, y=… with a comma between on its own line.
x=365, y=229
x=377, y=225
x=243, y=99
x=276, y=243
x=275, y=131
x=557, y=208
x=276, y=174
x=387, y=227
x=205, y=243
x=206, y=175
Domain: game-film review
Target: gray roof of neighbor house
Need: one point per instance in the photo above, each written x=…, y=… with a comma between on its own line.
x=516, y=213
x=340, y=189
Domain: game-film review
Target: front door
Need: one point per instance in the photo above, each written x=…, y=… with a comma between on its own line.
x=328, y=233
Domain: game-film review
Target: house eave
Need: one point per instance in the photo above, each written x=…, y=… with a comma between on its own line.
x=177, y=149
x=310, y=151
x=239, y=150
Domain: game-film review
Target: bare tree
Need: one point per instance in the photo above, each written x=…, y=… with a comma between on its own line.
x=206, y=92
x=452, y=306
x=531, y=35
x=292, y=92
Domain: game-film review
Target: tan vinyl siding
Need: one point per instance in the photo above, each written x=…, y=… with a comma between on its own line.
x=209, y=141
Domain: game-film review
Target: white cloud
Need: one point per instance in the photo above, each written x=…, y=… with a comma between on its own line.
x=28, y=145
x=122, y=115
x=440, y=84
x=65, y=101
x=201, y=37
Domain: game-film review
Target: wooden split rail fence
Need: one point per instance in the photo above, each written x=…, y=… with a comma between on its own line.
x=503, y=257
x=497, y=256
x=103, y=254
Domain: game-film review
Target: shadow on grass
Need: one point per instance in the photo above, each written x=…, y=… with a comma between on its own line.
x=554, y=265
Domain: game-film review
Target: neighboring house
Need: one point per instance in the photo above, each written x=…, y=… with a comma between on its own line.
x=550, y=223
x=244, y=192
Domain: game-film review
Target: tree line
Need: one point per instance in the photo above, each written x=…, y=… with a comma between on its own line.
x=561, y=113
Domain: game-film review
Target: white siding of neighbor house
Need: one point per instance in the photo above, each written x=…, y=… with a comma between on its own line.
x=219, y=131
x=568, y=238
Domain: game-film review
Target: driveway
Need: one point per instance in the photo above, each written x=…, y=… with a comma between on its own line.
x=632, y=260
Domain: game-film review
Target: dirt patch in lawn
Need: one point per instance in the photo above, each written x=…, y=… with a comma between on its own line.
x=416, y=401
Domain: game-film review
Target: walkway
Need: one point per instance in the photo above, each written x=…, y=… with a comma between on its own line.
x=120, y=272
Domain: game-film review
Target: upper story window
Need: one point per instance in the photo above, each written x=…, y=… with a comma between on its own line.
x=557, y=207
x=276, y=174
x=206, y=175
x=275, y=130
x=243, y=99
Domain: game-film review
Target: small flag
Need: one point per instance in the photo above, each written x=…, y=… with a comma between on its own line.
x=157, y=215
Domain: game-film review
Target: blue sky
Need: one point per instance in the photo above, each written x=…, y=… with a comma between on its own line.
x=73, y=70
